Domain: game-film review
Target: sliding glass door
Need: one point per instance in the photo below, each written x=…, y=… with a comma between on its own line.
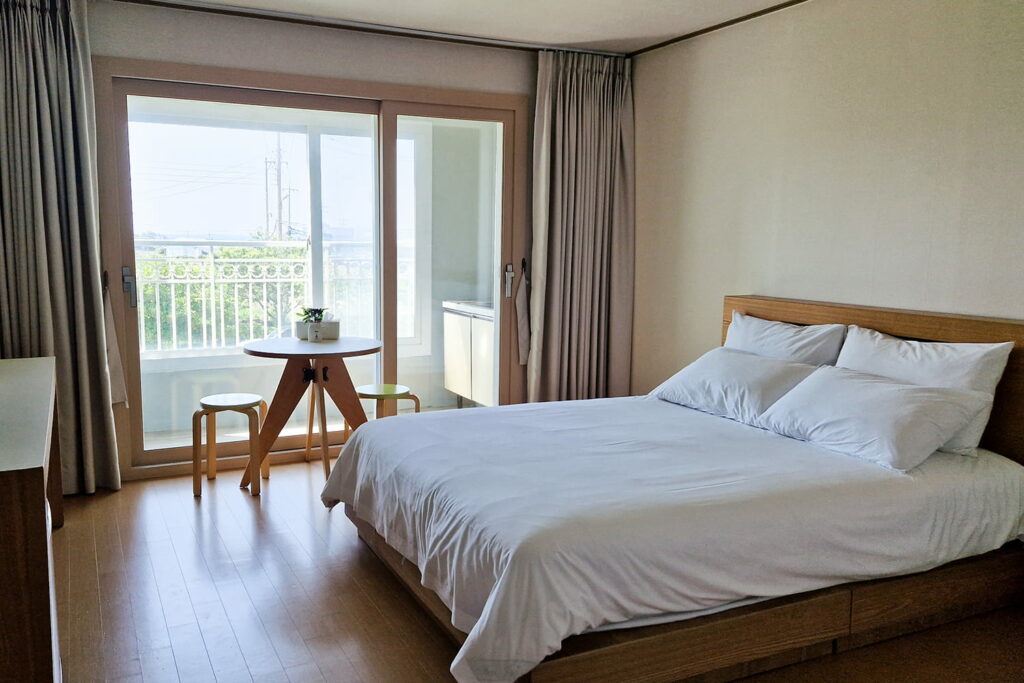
x=448, y=229
x=244, y=206
x=241, y=214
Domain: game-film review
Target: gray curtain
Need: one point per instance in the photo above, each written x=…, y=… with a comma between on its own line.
x=581, y=305
x=51, y=296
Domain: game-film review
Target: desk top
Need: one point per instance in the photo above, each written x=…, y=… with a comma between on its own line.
x=290, y=347
x=26, y=412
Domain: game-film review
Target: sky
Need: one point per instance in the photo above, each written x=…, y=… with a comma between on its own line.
x=204, y=182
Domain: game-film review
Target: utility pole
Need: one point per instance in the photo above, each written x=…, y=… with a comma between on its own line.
x=276, y=223
x=266, y=197
x=280, y=197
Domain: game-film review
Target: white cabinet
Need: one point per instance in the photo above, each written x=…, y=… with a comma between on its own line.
x=458, y=353
x=469, y=367
x=482, y=361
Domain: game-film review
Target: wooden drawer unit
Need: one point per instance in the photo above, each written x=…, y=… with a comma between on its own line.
x=891, y=607
x=29, y=469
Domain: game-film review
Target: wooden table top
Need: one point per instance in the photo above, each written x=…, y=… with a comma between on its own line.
x=290, y=347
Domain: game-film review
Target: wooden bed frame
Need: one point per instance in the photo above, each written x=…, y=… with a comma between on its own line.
x=746, y=640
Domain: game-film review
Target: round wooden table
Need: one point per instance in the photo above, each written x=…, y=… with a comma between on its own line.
x=320, y=363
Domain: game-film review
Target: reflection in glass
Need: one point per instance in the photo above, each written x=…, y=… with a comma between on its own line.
x=448, y=234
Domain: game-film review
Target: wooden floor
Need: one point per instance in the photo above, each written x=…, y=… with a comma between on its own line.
x=154, y=585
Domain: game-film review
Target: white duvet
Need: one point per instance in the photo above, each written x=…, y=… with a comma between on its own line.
x=539, y=521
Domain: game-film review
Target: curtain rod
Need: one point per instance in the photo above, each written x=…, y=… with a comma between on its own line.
x=325, y=22
x=716, y=27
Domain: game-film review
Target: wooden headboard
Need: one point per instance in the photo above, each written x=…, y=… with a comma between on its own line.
x=1005, y=431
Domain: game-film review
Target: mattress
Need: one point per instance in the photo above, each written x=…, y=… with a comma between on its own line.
x=540, y=521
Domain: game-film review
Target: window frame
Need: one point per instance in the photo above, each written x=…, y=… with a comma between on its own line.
x=114, y=78
x=419, y=343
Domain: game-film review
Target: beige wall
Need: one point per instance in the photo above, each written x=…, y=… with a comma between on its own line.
x=170, y=35
x=863, y=151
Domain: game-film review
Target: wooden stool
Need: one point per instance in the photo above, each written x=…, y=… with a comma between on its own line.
x=380, y=392
x=211, y=405
x=386, y=392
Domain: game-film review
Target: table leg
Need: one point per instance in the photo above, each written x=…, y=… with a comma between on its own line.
x=309, y=423
x=265, y=470
x=339, y=385
x=318, y=386
x=289, y=392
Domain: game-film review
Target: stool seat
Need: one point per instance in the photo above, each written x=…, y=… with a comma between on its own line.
x=383, y=391
x=230, y=401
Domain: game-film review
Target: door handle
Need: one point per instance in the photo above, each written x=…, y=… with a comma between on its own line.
x=510, y=275
x=128, y=285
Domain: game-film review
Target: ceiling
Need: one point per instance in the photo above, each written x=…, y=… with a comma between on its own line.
x=600, y=25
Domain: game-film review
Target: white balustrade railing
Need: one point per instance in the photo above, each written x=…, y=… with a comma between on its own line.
x=206, y=294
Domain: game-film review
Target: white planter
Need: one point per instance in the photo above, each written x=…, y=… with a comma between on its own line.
x=299, y=329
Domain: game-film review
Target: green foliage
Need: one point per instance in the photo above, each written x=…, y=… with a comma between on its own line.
x=296, y=252
x=227, y=295
x=311, y=315
x=219, y=296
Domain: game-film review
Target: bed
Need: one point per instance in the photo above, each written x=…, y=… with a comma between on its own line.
x=541, y=522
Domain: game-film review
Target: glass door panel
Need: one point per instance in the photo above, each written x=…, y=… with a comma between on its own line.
x=241, y=214
x=349, y=251
x=448, y=235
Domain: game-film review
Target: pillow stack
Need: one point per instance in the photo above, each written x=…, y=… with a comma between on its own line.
x=977, y=367
x=887, y=400
x=874, y=418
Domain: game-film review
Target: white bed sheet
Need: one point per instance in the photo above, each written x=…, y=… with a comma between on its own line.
x=540, y=521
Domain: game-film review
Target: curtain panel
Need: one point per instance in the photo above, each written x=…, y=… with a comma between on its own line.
x=581, y=306
x=51, y=295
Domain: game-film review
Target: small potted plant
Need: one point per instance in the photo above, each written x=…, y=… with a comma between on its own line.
x=308, y=324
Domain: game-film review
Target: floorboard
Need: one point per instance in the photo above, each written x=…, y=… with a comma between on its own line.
x=154, y=585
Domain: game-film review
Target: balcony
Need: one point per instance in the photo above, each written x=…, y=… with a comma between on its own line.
x=200, y=300
x=208, y=297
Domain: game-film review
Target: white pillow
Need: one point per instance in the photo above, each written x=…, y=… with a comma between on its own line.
x=875, y=418
x=935, y=364
x=814, y=344
x=732, y=384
